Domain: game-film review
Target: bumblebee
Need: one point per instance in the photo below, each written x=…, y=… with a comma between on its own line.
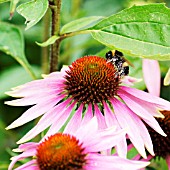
x=116, y=58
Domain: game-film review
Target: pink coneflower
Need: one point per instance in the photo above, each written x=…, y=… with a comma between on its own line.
x=78, y=148
x=90, y=86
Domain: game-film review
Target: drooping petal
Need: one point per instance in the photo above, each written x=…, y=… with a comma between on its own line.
x=110, y=116
x=144, y=133
x=88, y=115
x=31, y=165
x=125, y=119
x=108, y=138
x=28, y=153
x=111, y=120
x=87, y=130
x=26, y=146
x=121, y=148
x=45, y=121
x=151, y=108
x=163, y=104
x=75, y=121
x=36, y=87
x=31, y=100
x=100, y=117
x=152, y=76
x=141, y=111
x=60, y=119
x=34, y=112
x=114, y=162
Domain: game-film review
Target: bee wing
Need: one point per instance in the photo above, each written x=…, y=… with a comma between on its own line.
x=128, y=62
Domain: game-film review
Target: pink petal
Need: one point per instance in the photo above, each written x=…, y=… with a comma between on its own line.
x=121, y=148
x=151, y=108
x=28, y=153
x=34, y=112
x=152, y=76
x=46, y=120
x=60, y=119
x=111, y=120
x=143, y=132
x=130, y=80
x=37, y=86
x=26, y=146
x=141, y=111
x=163, y=104
x=34, y=99
x=88, y=115
x=75, y=121
x=114, y=162
x=89, y=130
x=31, y=165
x=125, y=119
x=110, y=116
x=100, y=117
x=108, y=138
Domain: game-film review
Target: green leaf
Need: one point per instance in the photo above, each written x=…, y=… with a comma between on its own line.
x=140, y=31
x=2, y=1
x=50, y=41
x=33, y=11
x=12, y=43
x=13, y=77
x=79, y=24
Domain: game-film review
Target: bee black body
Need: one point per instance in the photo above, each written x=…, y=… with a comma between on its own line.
x=116, y=58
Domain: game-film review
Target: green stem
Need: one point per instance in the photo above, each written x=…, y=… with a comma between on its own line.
x=45, y=50
x=55, y=48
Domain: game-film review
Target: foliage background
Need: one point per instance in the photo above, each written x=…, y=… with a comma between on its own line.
x=12, y=74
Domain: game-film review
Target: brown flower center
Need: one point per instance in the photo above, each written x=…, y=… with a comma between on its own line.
x=161, y=144
x=92, y=79
x=60, y=152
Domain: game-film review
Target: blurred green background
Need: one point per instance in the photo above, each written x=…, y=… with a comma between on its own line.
x=12, y=74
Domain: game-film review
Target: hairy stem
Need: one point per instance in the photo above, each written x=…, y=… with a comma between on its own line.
x=55, y=48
